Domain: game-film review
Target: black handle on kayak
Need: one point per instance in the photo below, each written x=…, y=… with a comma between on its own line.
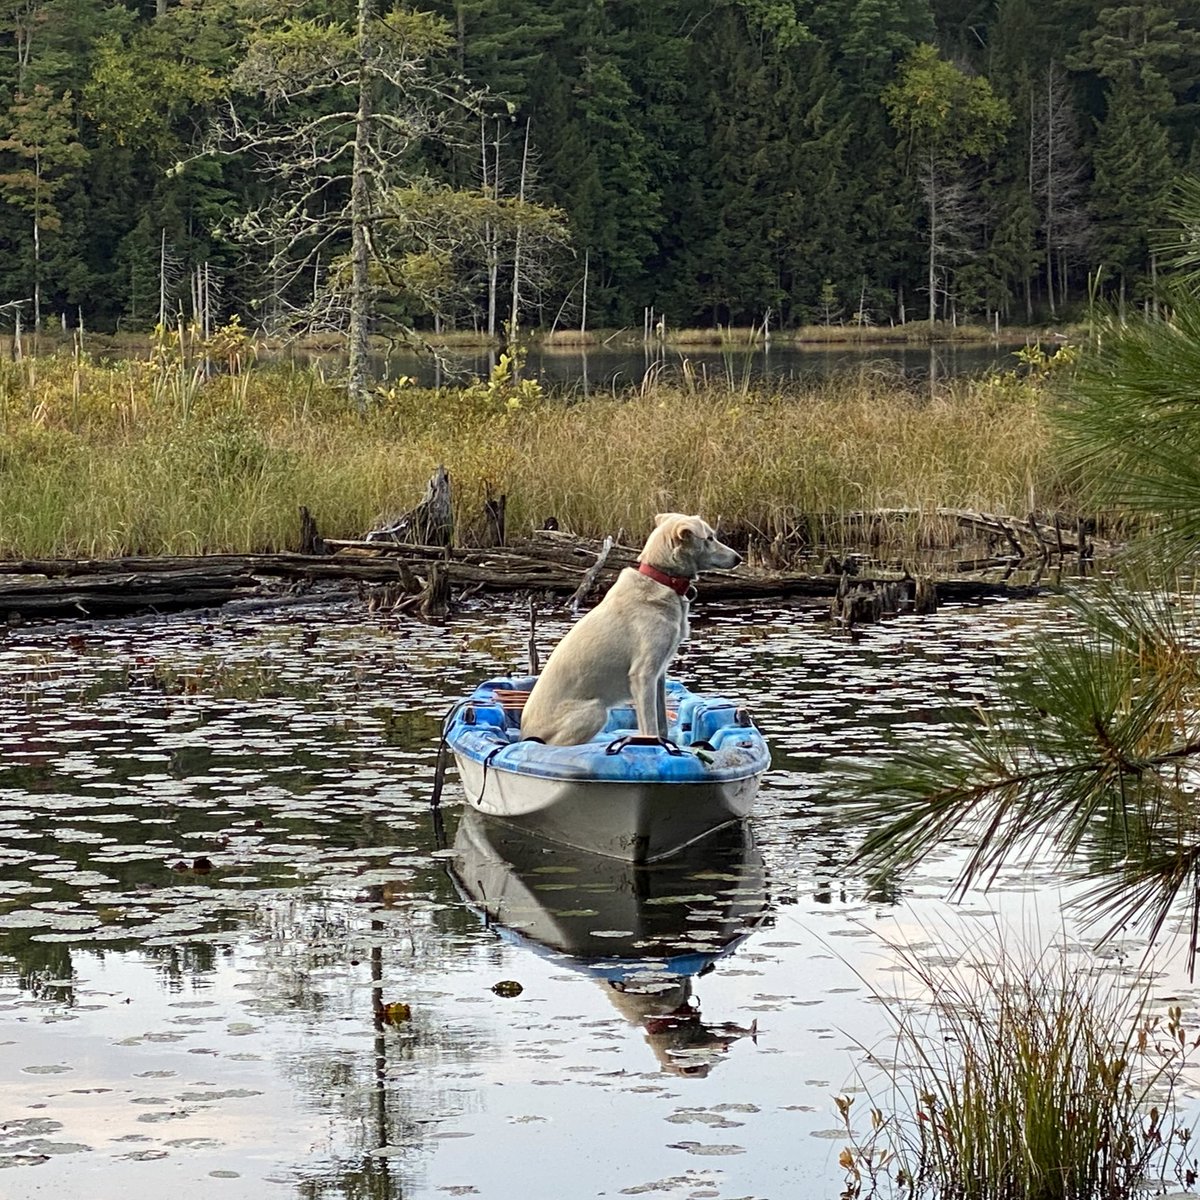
x=641, y=739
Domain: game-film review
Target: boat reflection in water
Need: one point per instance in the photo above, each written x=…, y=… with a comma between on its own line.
x=645, y=933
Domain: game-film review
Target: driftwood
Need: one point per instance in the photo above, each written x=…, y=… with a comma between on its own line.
x=581, y=593
x=391, y=577
x=409, y=566
x=1027, y=538
x=125, y=592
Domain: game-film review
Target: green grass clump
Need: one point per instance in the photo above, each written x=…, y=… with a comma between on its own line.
x=1020, y=1079
x=150, y=457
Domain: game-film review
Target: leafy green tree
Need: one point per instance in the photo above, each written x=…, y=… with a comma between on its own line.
x=149, y=91
x=435, y=245
x=943, y=118
x=140, y=88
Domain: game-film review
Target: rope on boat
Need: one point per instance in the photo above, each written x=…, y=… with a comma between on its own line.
x=439, y=775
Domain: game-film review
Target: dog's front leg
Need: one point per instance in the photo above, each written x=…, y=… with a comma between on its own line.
x=647, y=689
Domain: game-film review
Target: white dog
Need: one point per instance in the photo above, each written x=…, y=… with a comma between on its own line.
x=619, y=651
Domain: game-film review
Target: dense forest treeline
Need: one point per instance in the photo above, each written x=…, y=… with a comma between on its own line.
x=588, y=161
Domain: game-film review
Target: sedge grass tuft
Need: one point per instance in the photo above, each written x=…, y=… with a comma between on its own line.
x=1021, y=1076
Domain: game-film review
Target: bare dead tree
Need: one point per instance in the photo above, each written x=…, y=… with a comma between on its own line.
x=954, y=218
x=346, y=106
x=1056, y=180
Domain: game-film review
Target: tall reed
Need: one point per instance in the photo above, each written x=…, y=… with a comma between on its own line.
x=135, y=457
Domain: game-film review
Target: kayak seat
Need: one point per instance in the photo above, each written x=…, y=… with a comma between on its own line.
x=512, y=702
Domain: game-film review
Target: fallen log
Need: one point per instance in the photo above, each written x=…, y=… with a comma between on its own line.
x=120, y=594
x=1027, y=537
x=98, y=587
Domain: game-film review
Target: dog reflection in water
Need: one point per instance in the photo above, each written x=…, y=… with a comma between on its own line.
x=683, y=1043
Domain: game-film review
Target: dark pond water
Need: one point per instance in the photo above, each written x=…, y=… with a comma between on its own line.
x=236, y=961
x=602, y=369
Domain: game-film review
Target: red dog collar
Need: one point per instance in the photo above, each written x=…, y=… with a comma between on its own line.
x=677, y=583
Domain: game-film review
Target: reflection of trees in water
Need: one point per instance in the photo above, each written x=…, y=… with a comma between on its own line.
x=331, y=961
x=350, y=960
x=40, y=967
x=43, y=968
x=178, y=966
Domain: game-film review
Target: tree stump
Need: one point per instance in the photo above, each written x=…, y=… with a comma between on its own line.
x=435, y=601
x=857, y=604
x=311, y=541
x=925, y=597
x=431, y=523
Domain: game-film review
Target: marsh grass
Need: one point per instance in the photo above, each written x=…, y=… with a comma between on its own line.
x=139, y=457
x=912, y=333
x=1022, y=1077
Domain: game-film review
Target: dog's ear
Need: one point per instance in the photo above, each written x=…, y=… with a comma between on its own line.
x=659, y=518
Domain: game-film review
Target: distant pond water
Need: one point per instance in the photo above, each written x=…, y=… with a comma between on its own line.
x=603, y=369
x=237, y=960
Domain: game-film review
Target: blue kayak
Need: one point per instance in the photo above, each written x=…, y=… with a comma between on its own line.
x=619, y=794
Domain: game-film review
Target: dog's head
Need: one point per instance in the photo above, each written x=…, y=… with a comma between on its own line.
x=686, y=545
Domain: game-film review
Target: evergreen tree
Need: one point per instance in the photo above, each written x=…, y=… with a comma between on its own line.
x=1132, y=177
x=499, y=45
x=876, y=207
x=775, y=143
x=598, y=154
x=42, y=158
x=711, y=162
x=1146, y=55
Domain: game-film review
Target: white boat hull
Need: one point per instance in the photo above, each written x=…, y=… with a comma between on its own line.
x=635, y=821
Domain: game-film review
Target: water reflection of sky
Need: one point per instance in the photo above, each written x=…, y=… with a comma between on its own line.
x=221, y=887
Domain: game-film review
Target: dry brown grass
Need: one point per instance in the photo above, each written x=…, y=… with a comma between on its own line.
x=129, y=458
